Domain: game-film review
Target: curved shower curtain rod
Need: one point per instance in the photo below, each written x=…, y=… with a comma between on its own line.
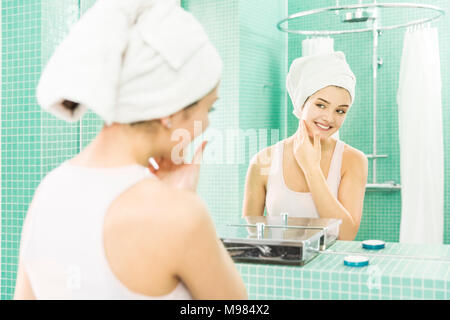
x=439, y=13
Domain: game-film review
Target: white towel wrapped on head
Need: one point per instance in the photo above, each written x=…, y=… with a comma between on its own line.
x=130, y=61
x=309, y=74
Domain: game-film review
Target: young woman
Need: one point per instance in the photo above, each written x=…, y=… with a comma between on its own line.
x=101, y=226
x=311, y=174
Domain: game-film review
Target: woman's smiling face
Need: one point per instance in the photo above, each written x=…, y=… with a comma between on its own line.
x=325, y=111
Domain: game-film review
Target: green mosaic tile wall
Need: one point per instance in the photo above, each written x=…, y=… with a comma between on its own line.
x=382, y=210
x=21, y=138
x=33, y=142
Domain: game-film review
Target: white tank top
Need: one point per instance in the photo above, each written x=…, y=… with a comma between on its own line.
x=279, y=198
x=62, y=248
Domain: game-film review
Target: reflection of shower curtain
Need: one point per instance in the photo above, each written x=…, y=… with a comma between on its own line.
x=315, y=46
x=421, y=141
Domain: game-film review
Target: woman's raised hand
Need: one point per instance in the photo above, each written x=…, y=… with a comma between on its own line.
x=306, y=154
x=183, y=175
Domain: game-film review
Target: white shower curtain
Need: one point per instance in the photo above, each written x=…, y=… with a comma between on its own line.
x=318, y=45
x=421, y=141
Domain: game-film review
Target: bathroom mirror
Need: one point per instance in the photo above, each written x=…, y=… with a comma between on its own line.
x=255, y=110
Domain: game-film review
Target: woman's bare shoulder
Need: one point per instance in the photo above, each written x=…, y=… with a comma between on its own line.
x=153, y=221
x=152, y=212
x=157, y=201
x=263, y=158
x=260, y=164
x=353, y=158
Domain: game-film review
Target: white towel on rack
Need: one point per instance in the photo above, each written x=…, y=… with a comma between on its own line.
x=421, y=140
x=316, y=45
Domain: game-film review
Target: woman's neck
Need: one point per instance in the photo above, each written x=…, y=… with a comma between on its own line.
x=114, y=147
